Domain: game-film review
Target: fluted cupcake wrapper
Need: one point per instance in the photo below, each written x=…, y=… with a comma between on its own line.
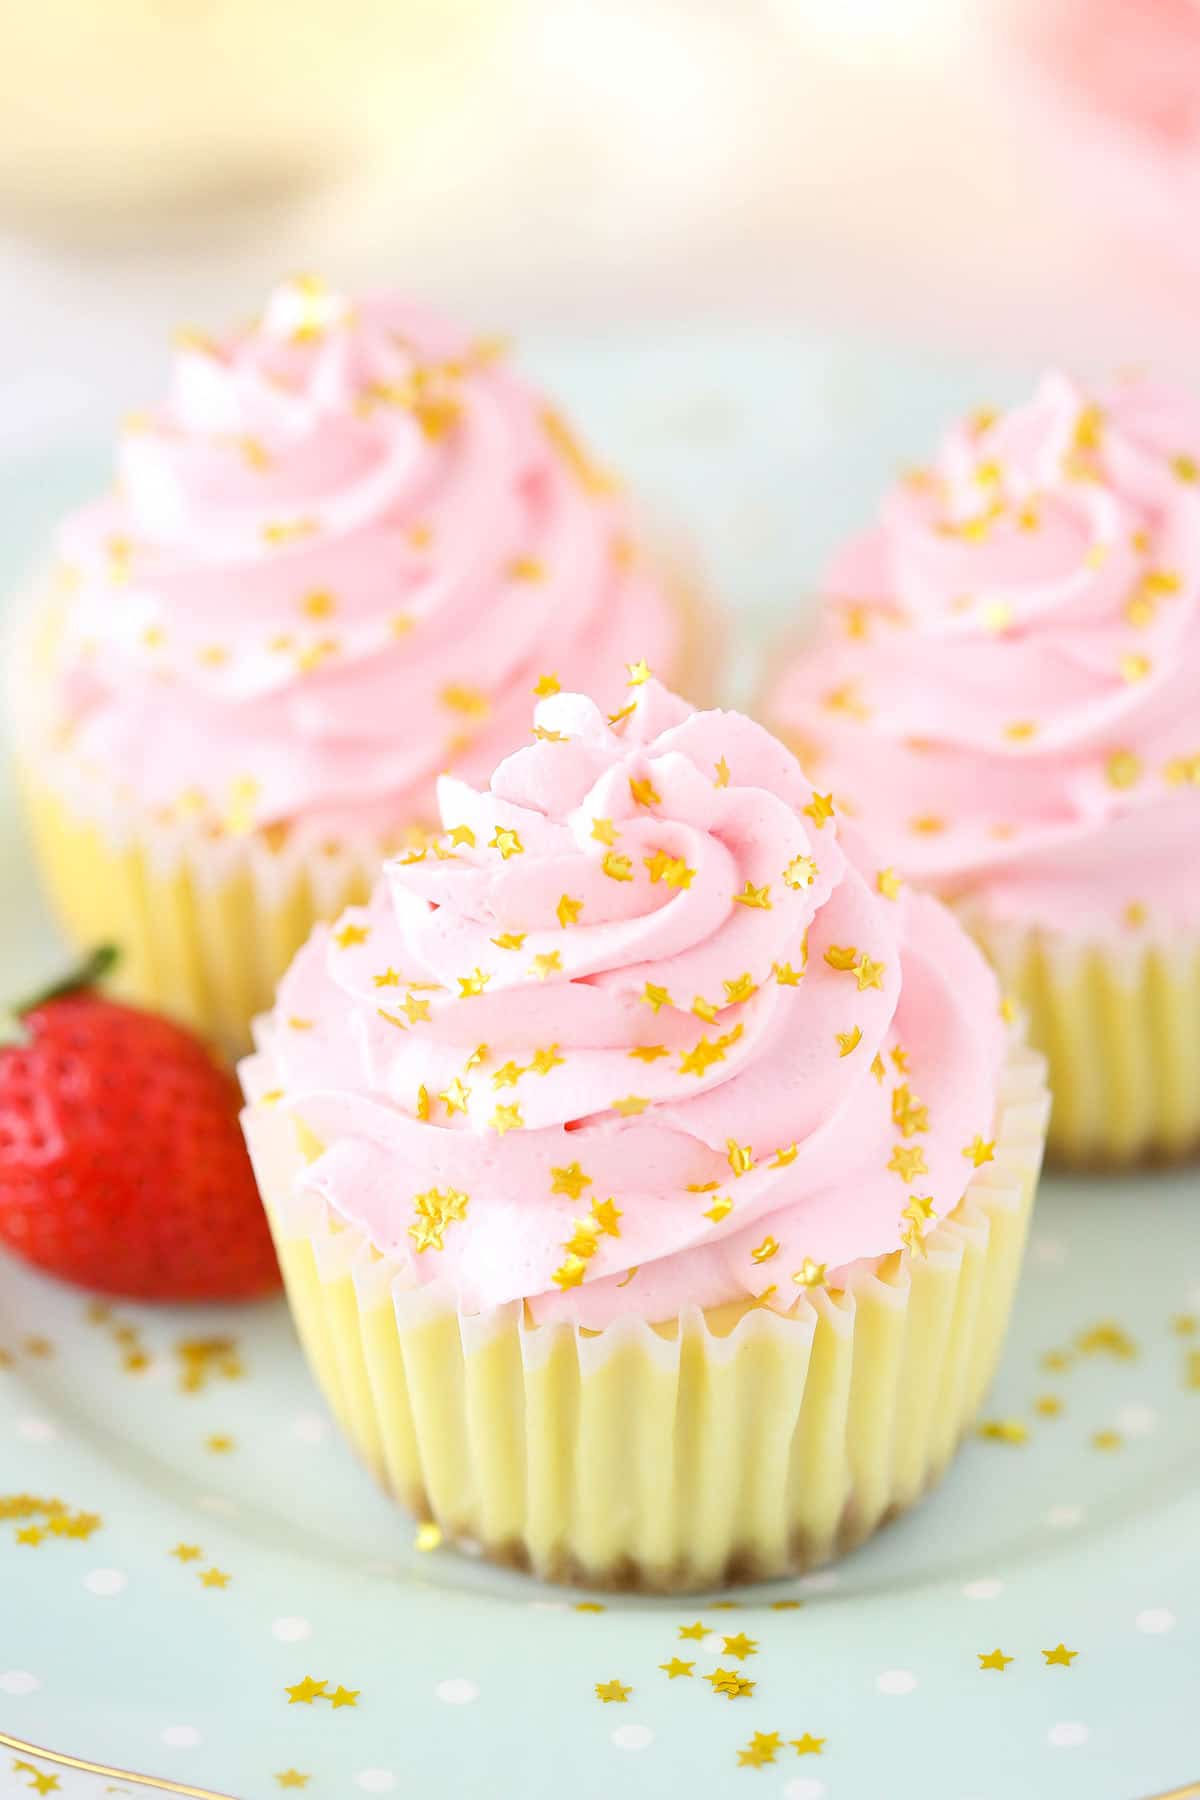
x=1119, y=1025
x=205, y=927
x=731, y=1445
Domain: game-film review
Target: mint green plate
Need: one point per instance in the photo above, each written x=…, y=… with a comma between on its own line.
x=1075, y=1523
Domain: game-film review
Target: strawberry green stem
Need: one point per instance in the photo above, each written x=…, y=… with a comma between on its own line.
x=93, y=968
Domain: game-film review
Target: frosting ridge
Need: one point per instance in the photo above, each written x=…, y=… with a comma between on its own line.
x=336, y=554
x=1004, y=684
x=646, y=1027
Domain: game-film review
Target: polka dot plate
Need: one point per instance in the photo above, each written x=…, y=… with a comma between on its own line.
x=199, y=1585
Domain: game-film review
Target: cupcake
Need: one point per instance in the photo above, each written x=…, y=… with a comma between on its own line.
x=1005, y=692
x=649, y=1180
x=334, y=564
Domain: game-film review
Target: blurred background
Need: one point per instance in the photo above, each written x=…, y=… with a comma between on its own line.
x=1000, y=176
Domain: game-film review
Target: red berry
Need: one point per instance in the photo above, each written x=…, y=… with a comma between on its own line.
x=122, y=1163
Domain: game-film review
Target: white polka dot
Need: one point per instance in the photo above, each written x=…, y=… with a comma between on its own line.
x=1050, y=1253
x=18, y=1681
x=375, y=1781
x=896, y=1681
x=822, y=1581
x=219, y=1504
x=1137, y=1421
x=291, y=1631
x=37, y=1431
x=714, y=1643
x=181, y=1737
x=804, y=1787
x=106, y=1582
x=1155, y=1620
x=983, y=1590
x=457, y=1691
x=1067, y=1735
x=1064, y=1517
x=312, y=1428
x=632, y=1737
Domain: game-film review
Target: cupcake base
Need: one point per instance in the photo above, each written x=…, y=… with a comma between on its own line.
x=1119, y=1026
x=733, y=1445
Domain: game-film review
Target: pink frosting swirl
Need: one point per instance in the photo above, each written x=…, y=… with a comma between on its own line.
x=648, y=1028
x=337, y=560
x=1004, y=687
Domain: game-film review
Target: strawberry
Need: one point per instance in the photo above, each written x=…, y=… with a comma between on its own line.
x=122, y=1164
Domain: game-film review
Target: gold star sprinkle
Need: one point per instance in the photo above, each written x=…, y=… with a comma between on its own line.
x=570, y=1273
x=760, y=1750
x=507, y=1075
x=1184, y=467
x=472, y=984
x=506, y=1118
x=1123, y=769
x=218, y=1443
x=292, y=1778
x=617, y=866
x=808, y=1745
x=752, y=896
x=696, y=1632
x=510, y=940
x=630, y=1106
x=743, y=988
x=848, y=1041
x=801, y=872
x=612, y=1690
x=545, y=963
x=526, y=568
x=1106, y=1440
x=819, y=808
x=423, y=1102
x=546, y=685
x=730, y=1683
x=1107, y=1337
x=841, y=957
x=980, y=1150
x=910, y=1114
x=350, y=935
x=605, y=1214
x=30, y=1535
x=927, y=825
x=888, y=883
x=305, y=1692
x=740, y=1157
x=1004, y=1431
x=1060, y=1655
x=344, y=1697
x=657, y=997
x=869, y=974
x=649, y=1053
x=643, y=792
x=761, y=1254
x=214, y=1578
x=435, y=1210
x=543, y=1061
x=389, y=978
x=1048, y=1406
x=740, y=1646
x=639, y=674
x=785, y=975
x=1134, y=667
x=722, y=778
x=186, y=1553
x=570, y=1181
x=810, y=1274
x=455, y=1097
x=569, y=910
x=461, y=836
x=994, y=1659
x=506, y=842
x=604, y=831
x=676, y=1667
x=318, y=605
x=908, y=1162
x=428, y=1536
